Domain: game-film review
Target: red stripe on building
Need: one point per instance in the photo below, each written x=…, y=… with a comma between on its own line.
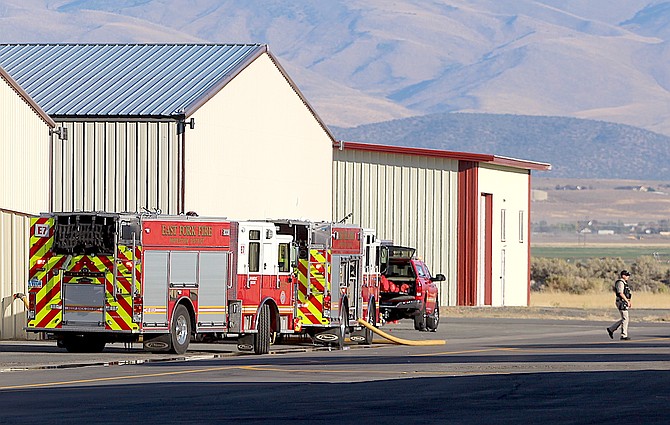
x=468, y=216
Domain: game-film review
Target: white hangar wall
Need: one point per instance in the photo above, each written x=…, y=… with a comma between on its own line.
x=24, y=180
x=258, y=152
x=409, y=199
x=510, y=190
x=24, y=153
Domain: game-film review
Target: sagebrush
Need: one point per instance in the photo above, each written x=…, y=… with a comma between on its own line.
x=597, y=274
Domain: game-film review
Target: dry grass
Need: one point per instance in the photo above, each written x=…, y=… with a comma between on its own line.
x=598, y=300
x=647, y=307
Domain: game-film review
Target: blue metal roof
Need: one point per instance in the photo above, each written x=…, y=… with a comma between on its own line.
x=124, y=79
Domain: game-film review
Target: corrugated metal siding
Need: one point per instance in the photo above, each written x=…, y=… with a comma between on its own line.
x=118, y=166
x=122, y=79
x=14, y=228
x=409, y=199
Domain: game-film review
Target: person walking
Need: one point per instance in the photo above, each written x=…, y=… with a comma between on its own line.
x=623, y=303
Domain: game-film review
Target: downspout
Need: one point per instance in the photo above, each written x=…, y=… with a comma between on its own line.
x=183, y=168
x=181, y=128
x=527, y=228
x=51, y=171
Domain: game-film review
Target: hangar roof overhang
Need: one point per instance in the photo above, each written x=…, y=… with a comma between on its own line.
x=460, y=156
x=26, y=98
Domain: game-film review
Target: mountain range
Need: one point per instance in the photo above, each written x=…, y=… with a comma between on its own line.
x=360, y=62
x=575, y=148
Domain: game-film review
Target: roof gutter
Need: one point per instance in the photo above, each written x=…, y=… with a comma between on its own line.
x=436, y=153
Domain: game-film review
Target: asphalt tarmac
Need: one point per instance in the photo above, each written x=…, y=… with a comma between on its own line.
x=489, y=371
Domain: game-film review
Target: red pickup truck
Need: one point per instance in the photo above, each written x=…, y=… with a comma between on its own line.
x=407, y=288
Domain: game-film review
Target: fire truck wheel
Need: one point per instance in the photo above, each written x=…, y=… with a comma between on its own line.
x=371, y=319
x=344, y=319
x=433, y=321
x=420, y=318
x=262, y=340
x=180, y=330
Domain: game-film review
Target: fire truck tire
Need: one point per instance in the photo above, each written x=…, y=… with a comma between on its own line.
x=83, y=344
x=180, y=330
x=420, y=318
x=344, y=319
x=433, y=320
x=262, y=340
x=371, y=319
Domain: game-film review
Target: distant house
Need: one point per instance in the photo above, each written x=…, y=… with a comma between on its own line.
x=25, y=182
x=539, y=195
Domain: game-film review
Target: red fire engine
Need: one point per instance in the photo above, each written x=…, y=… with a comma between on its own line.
x=162, y=280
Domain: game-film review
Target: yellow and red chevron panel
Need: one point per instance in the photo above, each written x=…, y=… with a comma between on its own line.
x=313, y=284
x=44, y=289
x=45, y=286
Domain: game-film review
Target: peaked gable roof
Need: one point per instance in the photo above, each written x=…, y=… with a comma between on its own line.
x=23, y=95
x=124, y=79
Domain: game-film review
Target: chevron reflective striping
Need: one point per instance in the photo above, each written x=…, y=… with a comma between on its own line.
x=117, y=321
x=50, y=320
x=37, y=243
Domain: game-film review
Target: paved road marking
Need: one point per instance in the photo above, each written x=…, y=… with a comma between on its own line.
x=116, y=378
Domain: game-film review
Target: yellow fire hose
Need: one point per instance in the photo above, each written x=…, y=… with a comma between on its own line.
x=23, y=298
x=400, y=340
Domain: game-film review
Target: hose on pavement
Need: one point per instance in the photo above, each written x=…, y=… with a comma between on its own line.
x=401, y=340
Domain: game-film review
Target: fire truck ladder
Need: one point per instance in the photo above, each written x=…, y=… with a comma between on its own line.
x=321, y=267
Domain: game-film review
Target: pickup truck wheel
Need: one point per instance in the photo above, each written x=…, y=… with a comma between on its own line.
x=420, y=318
x=433, y=321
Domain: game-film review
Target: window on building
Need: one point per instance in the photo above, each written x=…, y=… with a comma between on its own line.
x=502, y=224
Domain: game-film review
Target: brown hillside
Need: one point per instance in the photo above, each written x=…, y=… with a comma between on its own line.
x=628, y=201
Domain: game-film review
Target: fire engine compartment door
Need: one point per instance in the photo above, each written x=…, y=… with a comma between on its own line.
x=155, y=289
x=83, y=305
x=348, y=282
x=213, y=270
